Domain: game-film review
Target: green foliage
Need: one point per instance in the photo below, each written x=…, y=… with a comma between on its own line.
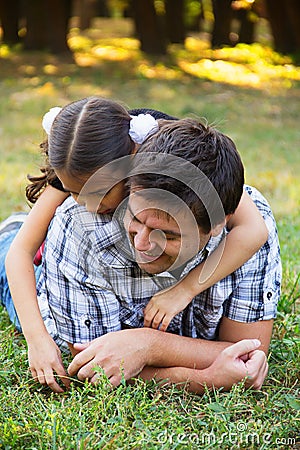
x=146, y=415
x=262, y=118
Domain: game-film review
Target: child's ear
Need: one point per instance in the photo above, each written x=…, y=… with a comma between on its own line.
x=218, y=228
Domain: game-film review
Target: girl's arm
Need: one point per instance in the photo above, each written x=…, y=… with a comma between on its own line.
x=248, y=233
x=43, y=354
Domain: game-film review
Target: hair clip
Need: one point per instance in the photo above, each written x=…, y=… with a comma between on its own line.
x=141, y=127
x=49, y=117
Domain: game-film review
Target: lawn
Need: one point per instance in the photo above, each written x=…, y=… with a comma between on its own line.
x=253, y=95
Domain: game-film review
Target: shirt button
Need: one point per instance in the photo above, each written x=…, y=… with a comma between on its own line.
x=87, y=322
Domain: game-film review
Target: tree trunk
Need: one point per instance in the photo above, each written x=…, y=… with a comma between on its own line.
x=102, y=9
x=9, y=16
x=284, y=18
x=293, y=14
x=86, y=11
x=175, y=21
x=35, y=38
x=47, y=25
x=222, y=23
x=147, y=27
x=246, y=32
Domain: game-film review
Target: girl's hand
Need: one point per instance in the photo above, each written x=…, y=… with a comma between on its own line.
x=45, y=360
x=164, y=305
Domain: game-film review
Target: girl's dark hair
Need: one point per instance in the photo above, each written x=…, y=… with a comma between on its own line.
x=86, y=135
x=38, y=182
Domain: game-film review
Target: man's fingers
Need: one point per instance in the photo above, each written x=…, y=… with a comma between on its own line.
x=257, y=368
x=78, y=346
x=240, y=348
x=81, y=359
x=86, y=372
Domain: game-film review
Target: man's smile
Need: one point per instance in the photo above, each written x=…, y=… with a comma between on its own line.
x=147, y=256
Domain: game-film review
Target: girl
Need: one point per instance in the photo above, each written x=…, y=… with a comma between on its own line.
x=86, y=135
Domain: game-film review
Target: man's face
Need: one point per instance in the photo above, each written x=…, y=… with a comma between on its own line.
x=161, y=243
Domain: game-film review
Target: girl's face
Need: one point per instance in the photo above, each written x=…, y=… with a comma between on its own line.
x=96, y=200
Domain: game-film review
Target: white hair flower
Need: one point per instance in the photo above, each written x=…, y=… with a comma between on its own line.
x=49, y=117
x=141, y=127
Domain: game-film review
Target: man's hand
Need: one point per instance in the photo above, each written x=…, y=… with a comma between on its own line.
x=45, y=360
x=120, y=353
x=237, y=362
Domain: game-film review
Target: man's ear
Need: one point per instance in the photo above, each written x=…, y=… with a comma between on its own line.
x=218, y=228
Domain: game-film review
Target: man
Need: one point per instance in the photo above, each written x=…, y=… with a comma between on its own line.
x=94, y=288
x=116, y=290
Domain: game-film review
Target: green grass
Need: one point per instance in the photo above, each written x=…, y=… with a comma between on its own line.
x=261, y=113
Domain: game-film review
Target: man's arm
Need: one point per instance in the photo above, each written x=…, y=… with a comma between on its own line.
x=144, y=350
x=132, y=350
x=237, y=362
x=228, y=367
x=232, y=331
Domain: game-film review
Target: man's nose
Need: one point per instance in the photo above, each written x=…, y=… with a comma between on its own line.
x=142, y=239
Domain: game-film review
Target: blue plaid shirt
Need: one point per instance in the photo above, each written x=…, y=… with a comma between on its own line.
x=90, y=286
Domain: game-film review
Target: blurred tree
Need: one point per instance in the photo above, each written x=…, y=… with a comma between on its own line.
x=194, y=12
x=9, y=15
x=148, y=28
x=284, y=18
x=157, y=22
x=86, y=10
x=222, y=23
x=47, y=25
x=102, y=9
x=175, y=27
x=225, y=11
x=243, y=12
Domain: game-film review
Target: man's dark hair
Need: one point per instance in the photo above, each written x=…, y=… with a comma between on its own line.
x=203, y=146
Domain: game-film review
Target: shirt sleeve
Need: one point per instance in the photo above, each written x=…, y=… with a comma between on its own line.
x=75, y=286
